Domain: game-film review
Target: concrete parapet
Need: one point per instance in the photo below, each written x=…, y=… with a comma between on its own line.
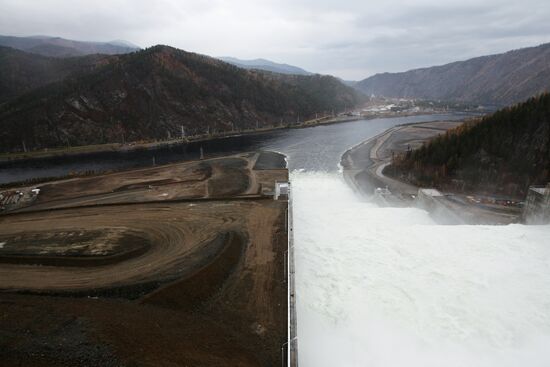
x=537, y=205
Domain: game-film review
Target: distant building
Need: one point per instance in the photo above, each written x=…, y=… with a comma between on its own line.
x=537, y=205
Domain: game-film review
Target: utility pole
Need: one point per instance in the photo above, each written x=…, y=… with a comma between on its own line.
x=202, y=153
x=24, y=146
x=182, y=133
x=154, y=161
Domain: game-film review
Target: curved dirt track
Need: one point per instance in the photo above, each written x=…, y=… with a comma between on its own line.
x=175, y=265
x=175, y=233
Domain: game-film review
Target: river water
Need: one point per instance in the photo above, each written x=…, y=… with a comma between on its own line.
x=313, y=149
x=383, y=286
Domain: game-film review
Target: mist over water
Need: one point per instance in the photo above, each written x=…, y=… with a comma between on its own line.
x=389, y=287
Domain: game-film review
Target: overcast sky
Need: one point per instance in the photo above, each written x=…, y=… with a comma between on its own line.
x=351, y=39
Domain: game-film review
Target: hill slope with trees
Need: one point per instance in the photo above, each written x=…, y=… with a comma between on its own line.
x=502, y=79
x=152, y=93
x=21, y=72
x=502, y=153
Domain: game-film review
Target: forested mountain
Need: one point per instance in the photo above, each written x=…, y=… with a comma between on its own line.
x=152, y=93
x=501, y=79
x=21, y=72
x=503, y=153
x=61, y=47
x=263, y=64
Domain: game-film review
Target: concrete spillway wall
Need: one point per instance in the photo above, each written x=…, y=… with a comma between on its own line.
x=537, y=205
x=292, y=342
x=289, y=350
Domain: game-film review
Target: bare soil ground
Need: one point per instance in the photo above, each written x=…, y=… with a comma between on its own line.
x=193, y=278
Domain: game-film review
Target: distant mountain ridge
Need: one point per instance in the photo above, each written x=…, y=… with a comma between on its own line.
x=501, y=79
x=21, y=72
x=151, y=94
x=61, y=47
x=267, y=65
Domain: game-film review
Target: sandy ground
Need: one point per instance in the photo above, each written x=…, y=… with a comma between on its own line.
x=195, y=277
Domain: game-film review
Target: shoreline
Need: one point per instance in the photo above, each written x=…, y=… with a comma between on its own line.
x=133, y=146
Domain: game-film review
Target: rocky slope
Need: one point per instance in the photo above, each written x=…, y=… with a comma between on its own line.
x=501, y=79
x=151, y=94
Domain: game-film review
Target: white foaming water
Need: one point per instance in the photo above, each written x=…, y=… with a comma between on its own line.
x=388, y=287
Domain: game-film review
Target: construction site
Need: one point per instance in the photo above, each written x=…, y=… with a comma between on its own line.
x=182, y=264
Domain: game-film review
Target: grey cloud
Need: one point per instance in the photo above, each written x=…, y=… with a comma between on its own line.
x=349, y=38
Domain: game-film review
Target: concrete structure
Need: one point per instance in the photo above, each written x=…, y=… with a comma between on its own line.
x=282, y=189
x=291, y=345
x=537, y=205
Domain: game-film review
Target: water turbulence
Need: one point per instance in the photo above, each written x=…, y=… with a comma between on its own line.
x=389, y=287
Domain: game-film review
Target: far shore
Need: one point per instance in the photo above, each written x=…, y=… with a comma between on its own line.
x=130, y=146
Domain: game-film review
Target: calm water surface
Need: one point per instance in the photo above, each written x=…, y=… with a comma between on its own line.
x=315, y=148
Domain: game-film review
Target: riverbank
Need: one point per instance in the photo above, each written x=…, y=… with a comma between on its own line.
x=135, y=146
x=363, y=169
x=132, y=146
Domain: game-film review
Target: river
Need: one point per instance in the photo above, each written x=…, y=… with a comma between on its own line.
x=315, y=148
x=386, y=286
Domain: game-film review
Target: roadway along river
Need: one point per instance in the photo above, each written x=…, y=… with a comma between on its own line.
x=389, y=287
